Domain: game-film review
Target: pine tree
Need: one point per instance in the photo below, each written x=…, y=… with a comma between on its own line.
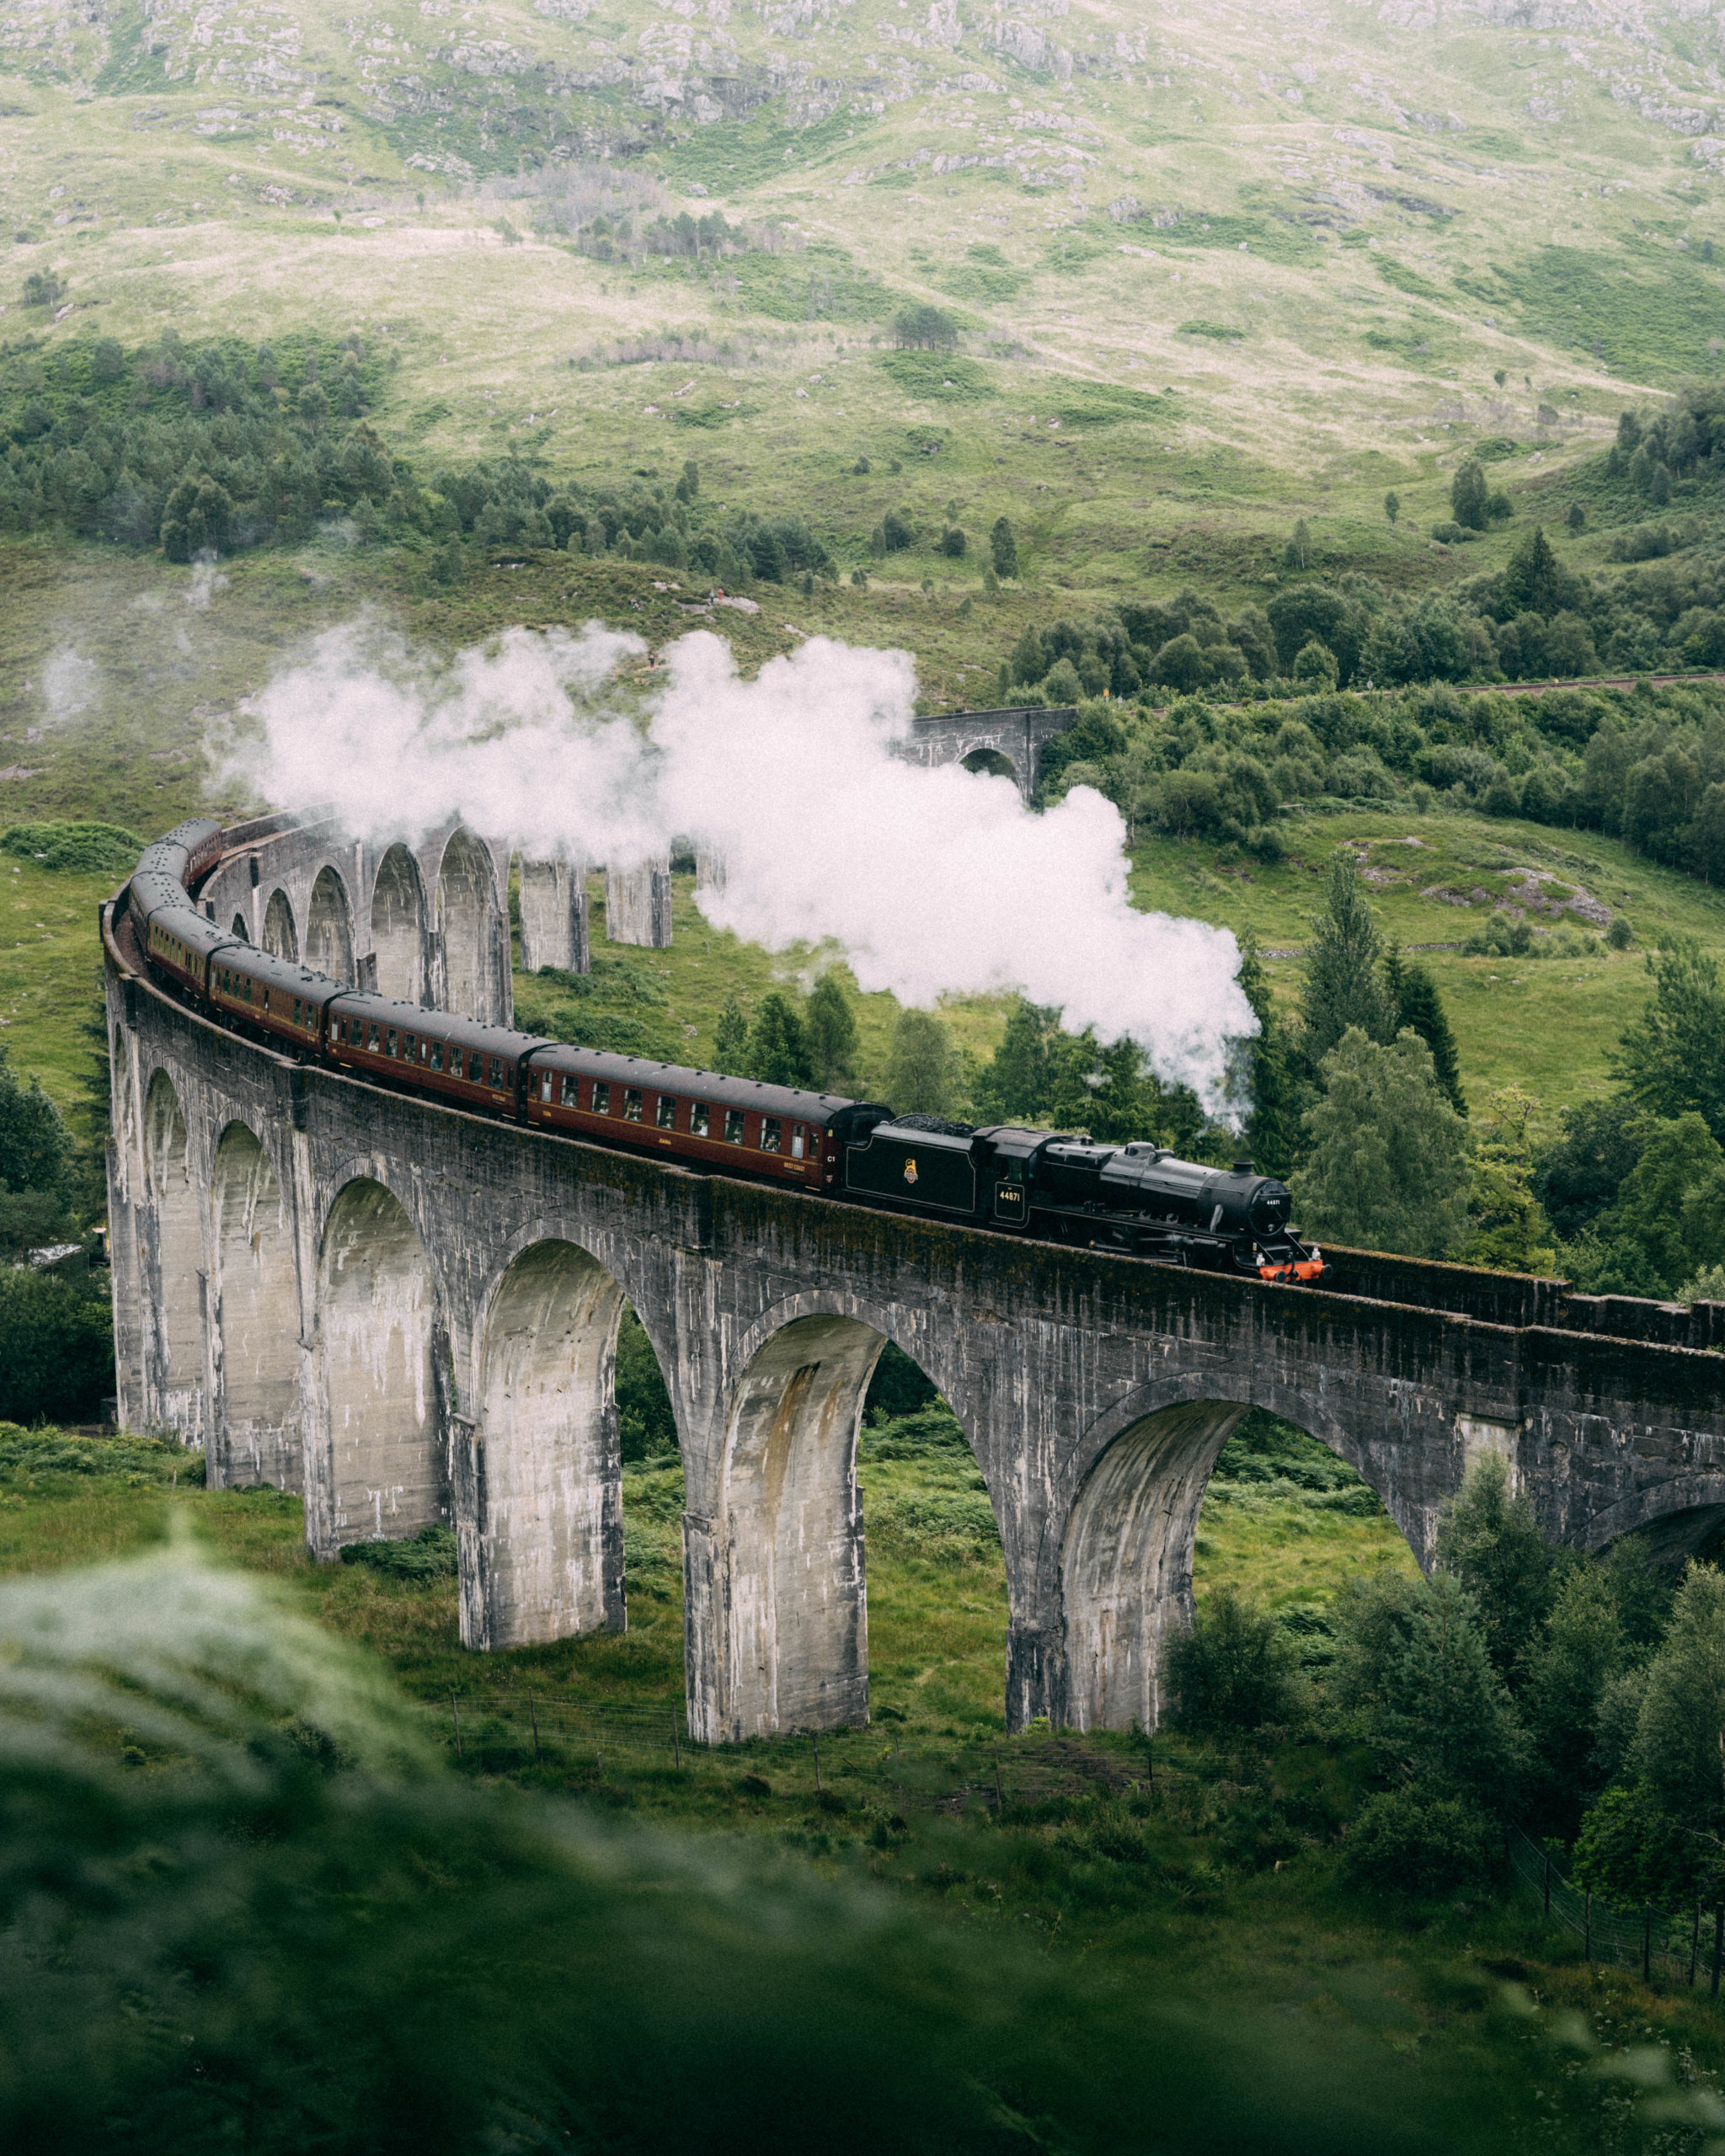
x=1029, y=660
x=1679, y=1744
x=730, y=1042
x=1386, y=1163
x=1533, y=576
x=1017, y=1081
x=1414, y=998
x=1003, y=547
x=777, y=1050
x=831, y=1026
x=920, y=1078
x=1510, y=1229
x=1342, y=988
x=1273, y=1119
x=1673, y=1053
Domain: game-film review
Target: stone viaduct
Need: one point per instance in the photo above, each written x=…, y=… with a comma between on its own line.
x=1009, y=741
x=408, y=1313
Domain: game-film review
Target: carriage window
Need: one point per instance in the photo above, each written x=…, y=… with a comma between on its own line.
x=390, y=1048
x=667, y=1111
x=508, y=1074
x=632, y=1104
x=567, y=1088
x=734, y=1126
x=376, y=1041
x=771, y=1128
x=796, y=1141
x=475, y=1065
x=545, y=1085
x=437, y=1055
x=493, y=1076
x=601, y=1097
x=296, y=1019
x=700, y=1118
x=409, y=1050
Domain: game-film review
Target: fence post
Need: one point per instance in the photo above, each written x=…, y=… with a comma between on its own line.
x=814, y=1742
x=1718, y=1942
x=1647, y=1942
x=455, y=1714
x=1695, y=1945
x=676, y=1749
x=1548, y=1882
x=1588, y=1936
x=534, y=1712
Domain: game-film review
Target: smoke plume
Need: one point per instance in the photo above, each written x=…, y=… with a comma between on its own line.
x=932, y=881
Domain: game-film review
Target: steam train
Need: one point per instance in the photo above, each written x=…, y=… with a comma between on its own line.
x=1050, y=1185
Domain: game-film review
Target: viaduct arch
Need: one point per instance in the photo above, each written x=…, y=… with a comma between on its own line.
x=410, y=1312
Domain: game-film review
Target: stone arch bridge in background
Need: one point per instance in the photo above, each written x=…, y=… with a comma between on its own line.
x=410, y=1314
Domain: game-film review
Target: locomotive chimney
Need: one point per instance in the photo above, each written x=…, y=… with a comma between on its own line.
x=1242, y=1168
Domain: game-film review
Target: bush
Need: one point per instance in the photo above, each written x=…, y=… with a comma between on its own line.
x=1404, y=1842
x=1233, y=1669
x=429, y=1554
x=923, y=328
x=79, y=848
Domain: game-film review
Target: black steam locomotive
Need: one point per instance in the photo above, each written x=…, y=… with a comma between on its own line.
x=1052, y=1185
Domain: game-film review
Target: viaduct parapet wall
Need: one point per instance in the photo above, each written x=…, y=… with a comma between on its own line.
x=410, y=1314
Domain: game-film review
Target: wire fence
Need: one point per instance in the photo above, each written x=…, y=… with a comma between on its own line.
x=503, y=1730
x=1682, y=1947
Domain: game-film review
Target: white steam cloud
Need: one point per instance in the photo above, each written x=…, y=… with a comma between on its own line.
x=932, y=881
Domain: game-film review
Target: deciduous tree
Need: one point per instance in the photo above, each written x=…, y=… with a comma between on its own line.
x=1489, y=1540
x=921, y=1078
x=1386, y=1165
x=1510, y=1229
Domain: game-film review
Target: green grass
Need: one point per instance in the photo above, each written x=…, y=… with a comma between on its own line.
x=939, y=377
x=1651, y=318
x=1548, y=1025
x=1209, y=1871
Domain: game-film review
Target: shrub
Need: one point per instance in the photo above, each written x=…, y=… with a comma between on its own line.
x=429, y=1554
x=82, y=849
x=1232, y=1670
x=1407, y=1842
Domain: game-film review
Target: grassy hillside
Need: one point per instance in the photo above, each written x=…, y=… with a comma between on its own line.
x=1210, y=273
